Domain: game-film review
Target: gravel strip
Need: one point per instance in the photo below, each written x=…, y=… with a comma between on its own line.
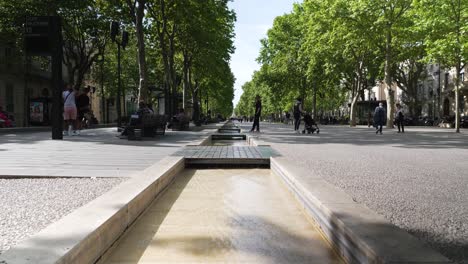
x=417, y=180
x=29, y=205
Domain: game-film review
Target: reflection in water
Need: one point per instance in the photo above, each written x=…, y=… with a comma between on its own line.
x=222, y=215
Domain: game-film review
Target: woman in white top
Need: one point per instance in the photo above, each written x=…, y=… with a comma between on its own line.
x=69, y=110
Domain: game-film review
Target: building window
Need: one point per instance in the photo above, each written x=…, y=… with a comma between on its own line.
x=9, y=98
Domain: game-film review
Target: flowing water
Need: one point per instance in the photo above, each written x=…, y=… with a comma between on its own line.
x=223, y=216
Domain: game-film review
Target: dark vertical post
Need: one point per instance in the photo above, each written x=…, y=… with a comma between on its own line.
x=57, y=53
x=438, y=94
x=103, y=99
x=119, y=109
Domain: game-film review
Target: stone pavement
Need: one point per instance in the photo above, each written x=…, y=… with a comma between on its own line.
x=417, y=180
x=95, y=153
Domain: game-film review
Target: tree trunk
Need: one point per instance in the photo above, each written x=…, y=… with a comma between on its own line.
x=196, y=108
x=143, y=86
x=186, y=69
x=314, y=102
x=173, y=75
x=457, y=99
x=390, y=94
x=352, y=116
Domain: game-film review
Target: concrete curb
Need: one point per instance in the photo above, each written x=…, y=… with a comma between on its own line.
x=358, y=233
x=84, y=235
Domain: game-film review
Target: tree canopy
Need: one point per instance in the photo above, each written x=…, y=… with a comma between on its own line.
x=180, y=47
x=329, y=52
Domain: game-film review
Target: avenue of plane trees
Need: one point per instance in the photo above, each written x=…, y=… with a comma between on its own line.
x=175, y=46
x=330, y=52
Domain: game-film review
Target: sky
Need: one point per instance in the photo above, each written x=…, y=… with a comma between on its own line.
x=254, y=18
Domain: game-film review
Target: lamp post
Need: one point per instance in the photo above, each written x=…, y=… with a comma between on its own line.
x=122, y=43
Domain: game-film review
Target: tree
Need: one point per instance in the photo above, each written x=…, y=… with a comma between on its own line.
x=391, y=18
x=446, y=24
x=84, y=34
x=84, y=28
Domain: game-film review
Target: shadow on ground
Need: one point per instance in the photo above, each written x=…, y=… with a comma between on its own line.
x=105, y=136
x=429, y=138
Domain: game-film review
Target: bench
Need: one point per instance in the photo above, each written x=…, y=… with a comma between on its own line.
x=149, y=126
x=181, y=124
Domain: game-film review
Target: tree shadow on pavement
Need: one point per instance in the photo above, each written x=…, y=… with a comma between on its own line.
x=412, y=139
x=106, y=136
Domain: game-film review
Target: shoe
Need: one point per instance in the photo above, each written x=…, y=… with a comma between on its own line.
x=376, y=132
x=65, y=133
x=75, y=133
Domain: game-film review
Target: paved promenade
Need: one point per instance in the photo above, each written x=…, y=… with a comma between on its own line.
x=31, y=200
x=95, y=153
x=417, y=180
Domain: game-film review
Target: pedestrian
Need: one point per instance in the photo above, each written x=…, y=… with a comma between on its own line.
x=400, y=118
x=69, y=110
x=83, y=106
x=380, y=118
x=297, y=111
x=369, y=119
x=286, y=117
x=258, y=112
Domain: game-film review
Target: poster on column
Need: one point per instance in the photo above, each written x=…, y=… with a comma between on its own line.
x=36, y=110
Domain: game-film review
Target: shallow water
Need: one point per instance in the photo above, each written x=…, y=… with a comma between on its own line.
x=236, y=215
x=232, y=142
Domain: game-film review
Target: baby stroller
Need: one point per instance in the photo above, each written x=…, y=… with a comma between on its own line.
x=310, y=125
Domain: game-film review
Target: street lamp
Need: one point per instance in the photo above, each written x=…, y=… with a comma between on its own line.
x=122, y=43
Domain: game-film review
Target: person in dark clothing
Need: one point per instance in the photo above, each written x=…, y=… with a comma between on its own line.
x=380, y=118
x=137, y=117
x=258, y=112
x=400, y=118
x=369, y=119
x=83, y=106
x=297, y=115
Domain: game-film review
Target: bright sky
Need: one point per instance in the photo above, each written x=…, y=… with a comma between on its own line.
x=254, y=18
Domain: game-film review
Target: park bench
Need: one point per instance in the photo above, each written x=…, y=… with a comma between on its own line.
x=181, y=124
x=149, y=126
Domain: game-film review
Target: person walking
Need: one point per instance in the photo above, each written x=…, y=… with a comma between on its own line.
x=379, y=118
x=400, y=119
x=297, y=111
x=83, y=106
x=369, y=119
x=258, y=112
x=69, y=110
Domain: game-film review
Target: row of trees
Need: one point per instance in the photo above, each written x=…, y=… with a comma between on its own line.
x=329, y=50
x=177, y=46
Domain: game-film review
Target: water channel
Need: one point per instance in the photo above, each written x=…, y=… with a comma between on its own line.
x=223, y=215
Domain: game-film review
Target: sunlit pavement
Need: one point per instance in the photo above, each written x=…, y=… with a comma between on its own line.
x=95, y=153
x=418, y=180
